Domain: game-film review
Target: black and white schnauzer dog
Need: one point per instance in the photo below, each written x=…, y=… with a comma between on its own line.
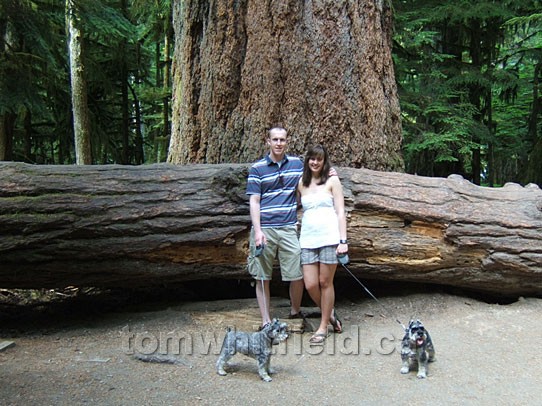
x=256, y=345
x=417, y=348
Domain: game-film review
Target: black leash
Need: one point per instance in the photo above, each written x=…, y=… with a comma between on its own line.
x=373, y=296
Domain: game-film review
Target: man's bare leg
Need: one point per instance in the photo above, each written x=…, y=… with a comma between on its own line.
x=263, y=297
x=296, y=295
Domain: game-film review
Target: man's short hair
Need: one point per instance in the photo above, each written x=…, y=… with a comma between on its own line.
x=275, y=129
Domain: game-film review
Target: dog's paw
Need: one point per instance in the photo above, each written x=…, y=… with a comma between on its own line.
x=421, y=375
x=405, y=370
x=221, y=372
x=266, y=378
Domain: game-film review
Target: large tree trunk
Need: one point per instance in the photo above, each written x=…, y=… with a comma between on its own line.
x=139, y=226
x=323, y=70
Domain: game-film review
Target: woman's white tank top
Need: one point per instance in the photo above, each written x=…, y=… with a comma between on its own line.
x=319, y=224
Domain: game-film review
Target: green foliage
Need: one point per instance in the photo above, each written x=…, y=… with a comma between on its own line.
x=104, y=22
x=120, y=69
x=468, y=74
x=465, y=75
x=25, y=54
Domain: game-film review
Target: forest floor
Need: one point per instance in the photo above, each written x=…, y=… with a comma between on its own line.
x=81, y=352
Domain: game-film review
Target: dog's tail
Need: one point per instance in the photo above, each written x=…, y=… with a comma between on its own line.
x=160, y=359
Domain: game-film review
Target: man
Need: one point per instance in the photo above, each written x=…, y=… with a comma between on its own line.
x=271, y=185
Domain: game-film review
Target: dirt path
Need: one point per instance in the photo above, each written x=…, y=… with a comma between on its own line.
x=486, y=354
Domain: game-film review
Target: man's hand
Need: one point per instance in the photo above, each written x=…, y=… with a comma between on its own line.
x=259, y=238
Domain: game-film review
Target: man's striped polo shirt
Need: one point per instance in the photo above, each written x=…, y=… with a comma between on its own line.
x=276, y=184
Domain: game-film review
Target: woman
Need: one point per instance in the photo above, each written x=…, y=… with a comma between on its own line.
x=323, y=235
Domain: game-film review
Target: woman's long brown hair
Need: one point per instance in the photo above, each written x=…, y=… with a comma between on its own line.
x=316, y=151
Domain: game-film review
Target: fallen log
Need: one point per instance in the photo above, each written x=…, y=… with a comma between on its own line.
x=133, y=226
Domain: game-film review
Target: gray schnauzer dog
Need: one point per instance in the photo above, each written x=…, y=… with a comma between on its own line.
x=256, y=345
x=416, y=348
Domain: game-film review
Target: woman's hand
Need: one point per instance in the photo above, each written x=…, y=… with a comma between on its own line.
x=342, y=248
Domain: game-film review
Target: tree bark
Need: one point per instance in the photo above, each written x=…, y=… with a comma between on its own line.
x=3, y=138
x=125, y=226
x=323, y=70
x=7, y=124
x=81, y=120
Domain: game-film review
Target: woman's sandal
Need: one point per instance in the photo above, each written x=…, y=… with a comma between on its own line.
x=298, y=315
x=336, y=323
x=318, y=338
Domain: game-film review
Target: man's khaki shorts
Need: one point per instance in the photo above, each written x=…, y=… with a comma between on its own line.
x=282, y=243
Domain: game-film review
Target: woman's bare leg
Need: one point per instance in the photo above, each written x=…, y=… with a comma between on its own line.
x=327, y=293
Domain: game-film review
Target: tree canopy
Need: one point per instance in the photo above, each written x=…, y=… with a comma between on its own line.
x=124, y=66
x=468, y=74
